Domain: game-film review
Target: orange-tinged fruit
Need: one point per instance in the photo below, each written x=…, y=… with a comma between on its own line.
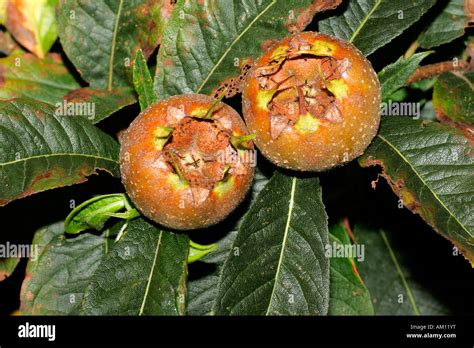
x=186, y=161
x=313, y=102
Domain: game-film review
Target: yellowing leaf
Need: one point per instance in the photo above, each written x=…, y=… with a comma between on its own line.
x=32, y=23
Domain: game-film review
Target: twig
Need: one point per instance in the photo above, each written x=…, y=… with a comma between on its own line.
x=431, y=70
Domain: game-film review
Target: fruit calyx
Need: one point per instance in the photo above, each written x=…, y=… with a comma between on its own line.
x=300, y=86
x=200, y=151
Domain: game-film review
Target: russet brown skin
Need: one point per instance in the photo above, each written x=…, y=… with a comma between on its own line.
x=214, y=185
x=318, y=72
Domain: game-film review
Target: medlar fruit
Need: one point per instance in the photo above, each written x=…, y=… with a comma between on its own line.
x=313, y=102
x=186, y=161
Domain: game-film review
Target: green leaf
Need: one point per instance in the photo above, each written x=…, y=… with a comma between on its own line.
x=431, y=168
x=7, y=266
x=46, y=80
x=348, y=294
x=143, y=81
x=143, y=274
x=93, y=213
x=55, y=283
x=198, y=251
x=40, y=150
x=280, y=267
x=207, y=43
x=393, y=289
x=32, y=23
x=453, y=97
x=202, y=291
x=394, y=76
x=449, y=25
x=371, y=24
x=97, y=105
x=119, y=28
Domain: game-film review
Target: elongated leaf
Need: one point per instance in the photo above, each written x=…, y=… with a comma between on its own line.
x=96, y=105
x=205, y=44
x=394, y=76
x=449, y=25
x=46, y=80
x=143, y=274
x=41, y=151
x=391, y=285
x=55, y=282
x=370, y=24
x=453, y=97
x=104, y=56
x=431, y=168
x=202, y=291
x=7, y=266
x=348, y=294
x=280, y=267
x=32, y=23
x=143, y=81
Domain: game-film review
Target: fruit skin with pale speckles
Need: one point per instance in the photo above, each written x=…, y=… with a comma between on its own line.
x=313, y=102
x=174, y=163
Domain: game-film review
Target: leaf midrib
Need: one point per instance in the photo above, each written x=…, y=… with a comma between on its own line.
x=59, y=155
x=400, y=272
x=361, y=25
x=285, y=238
x=424, y=183
x=112, y=49
x=150, y=276
x=226, y=52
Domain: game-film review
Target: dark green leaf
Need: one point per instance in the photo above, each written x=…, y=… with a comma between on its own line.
x=143, y=81
x=40, y=150
x=453, y=97
x=371, y=24
x=7, y=266
x=348, y=294
x=202, y=291
x=431, y=168
x=46, y=80
x=206, y=44
x=394, y=76
x=103, y=102
x=449, y=25
x=392, y=288
x=93, y=213
x=279, y=266
x=119, y=29
x=55, y=282
x=143, y=274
